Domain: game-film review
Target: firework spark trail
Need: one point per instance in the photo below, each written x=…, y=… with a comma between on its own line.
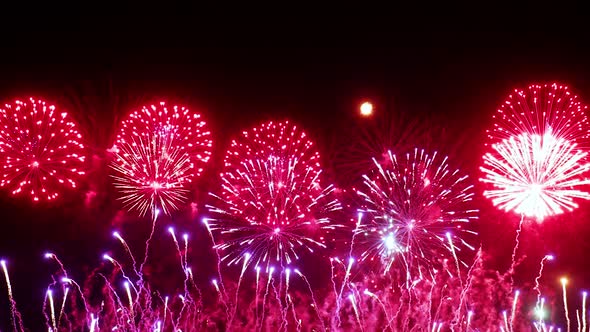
x=584, y=312
x=40, y=150
x=157, y=153
x=129, y=253
x=63, y=305
x=282, y=309
x=233, y=314
x=333, y=280
x=315, y=304
x=356, y=312
x=514, y=251
x=344, y=283
x=270, y=272
x=52, y=308
x=409, y=204
x=539, y=275
x=62, y=269
x=15, y=318
x=147, y=244
x=513, y=312
x=216, y=250
x=368, y=293
x=257, y=268
x=565, y=306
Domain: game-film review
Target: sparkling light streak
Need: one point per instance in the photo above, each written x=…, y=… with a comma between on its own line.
x=41, y=150
x=157, y=153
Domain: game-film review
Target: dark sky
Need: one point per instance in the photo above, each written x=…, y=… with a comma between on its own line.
x=244, y=72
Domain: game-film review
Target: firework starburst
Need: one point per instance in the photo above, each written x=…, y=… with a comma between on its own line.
x=41, y=150
x=272, y=201
x=158, y=152
x=538, y=161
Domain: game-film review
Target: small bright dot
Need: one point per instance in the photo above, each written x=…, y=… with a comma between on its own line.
x=366, y=109
x=35, y=164
x=563, y=281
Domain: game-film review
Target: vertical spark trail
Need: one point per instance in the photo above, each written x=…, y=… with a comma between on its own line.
x=469, y=316
x=14, y=314
x=185, y=238
x=356, y=312
x=514, y=251
x=233, y=314
x=584, y=312
x=52, y=309
x=539, y=275
x=270, y=272
x=129, y=253
x=513, y=312
x=147, y=243
x=565, y=306
x=128, y=291
x=63, y=305
x=256, y=295
x=505, y=317
x=216, y=250
x=315, y=304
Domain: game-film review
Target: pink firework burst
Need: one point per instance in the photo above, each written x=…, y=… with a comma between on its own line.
x=157, y=153
x=415, y=210
x=41, y=150
x=538, y=162
x=272, y=201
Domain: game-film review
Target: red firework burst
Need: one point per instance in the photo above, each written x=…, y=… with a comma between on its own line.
x=40, y=149
x=158, y=152
x=538, y=110
x=538, y=159
x=272, y=196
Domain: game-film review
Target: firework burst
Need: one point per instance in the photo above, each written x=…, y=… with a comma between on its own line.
x=40, y=148
x=273, y=202
x=157, y=153
x=414, y=210
x=538, y=110
x=537, y=163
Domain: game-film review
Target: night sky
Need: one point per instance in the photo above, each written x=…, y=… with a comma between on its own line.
x=451, y=78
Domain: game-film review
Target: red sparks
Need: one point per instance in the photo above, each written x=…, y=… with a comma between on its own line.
x=40, y=148
x=158, y=152
x=272, y=193
x=538, y=159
